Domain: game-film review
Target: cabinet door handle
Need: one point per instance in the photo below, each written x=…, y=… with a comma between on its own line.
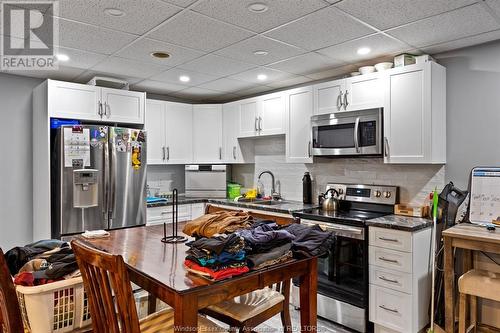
x=386, y=147
x=388, y=239
x=260, y=123
x=387, y=280
x=346, y=103
x=168, y=153
x=163, y=150
x=99, y=110
x=389, y=260
x=309, y=148
x=256, y=124
x=234, y=152
x=339, y=101
x=220, y=153
x=383, y=307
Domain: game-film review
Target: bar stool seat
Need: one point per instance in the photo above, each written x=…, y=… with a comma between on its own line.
x=473, y=284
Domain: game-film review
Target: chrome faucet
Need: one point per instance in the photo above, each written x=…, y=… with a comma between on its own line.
x=275, y=195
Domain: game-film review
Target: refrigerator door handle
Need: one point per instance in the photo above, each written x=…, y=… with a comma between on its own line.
x=112, y=184
x=105, y=176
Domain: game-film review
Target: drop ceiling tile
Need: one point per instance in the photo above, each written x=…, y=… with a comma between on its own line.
x=462, y=42
x=306, y=63
x=172, y=76
x=379, y=44
x=181, y=3
x=88, y=75
x=140, y=16
x=237, y=12
x=384, y=14
x=79, y=58
x=226, y=85
x=333, y=73
x=456, y=24
x=195, y=92
x=216, y=65
x=272, y=75
x=90, y=38
x=126, y=67
x=141, y=50
x=199, y=32
x=245, y=49
x=323, y=28
x=223, y=98
x=157, y=87
x=64, y=73
x=253, y=91
x=290, y=82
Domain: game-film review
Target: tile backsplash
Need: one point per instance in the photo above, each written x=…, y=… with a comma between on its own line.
x=415, y=181
x=159, y=176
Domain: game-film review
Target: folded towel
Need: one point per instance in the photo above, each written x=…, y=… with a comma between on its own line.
x=155, y=200
x=95, y=234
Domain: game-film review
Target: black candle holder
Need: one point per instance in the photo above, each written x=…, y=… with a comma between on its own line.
x=174, y=238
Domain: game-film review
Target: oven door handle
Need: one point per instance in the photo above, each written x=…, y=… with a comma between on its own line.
x=330, y=227
x=356, y=134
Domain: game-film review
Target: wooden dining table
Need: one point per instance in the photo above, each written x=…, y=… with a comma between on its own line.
x=158, y=268
x=467, y=237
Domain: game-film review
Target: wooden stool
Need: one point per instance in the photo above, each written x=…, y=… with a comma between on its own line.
x=476, y=283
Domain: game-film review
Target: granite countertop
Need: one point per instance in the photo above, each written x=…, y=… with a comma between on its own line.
x=398, y=222
x=284, y=207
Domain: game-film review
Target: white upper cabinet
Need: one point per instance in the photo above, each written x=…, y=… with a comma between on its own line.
x=123, y=106
x=328, y=97
x=87, y=102
x=74, y=100
x=207, y=133
x=272, y=114
x=364, y=92
x=415, y=115
x=248, y=117
x=179, y=135
x=235, y=150
x=155, y=131
x=298, y=109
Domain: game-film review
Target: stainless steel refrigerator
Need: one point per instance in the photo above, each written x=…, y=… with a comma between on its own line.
x=99, y=178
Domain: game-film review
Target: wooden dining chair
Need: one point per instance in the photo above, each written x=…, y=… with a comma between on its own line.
x=112, y=305
x=248, y=311
x=10, y=314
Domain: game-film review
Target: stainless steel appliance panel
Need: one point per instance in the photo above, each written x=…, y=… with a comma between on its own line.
x=127, y=177
x=77, y=220
x=207, y=181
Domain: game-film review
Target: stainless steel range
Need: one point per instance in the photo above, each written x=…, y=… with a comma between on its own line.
x=343, y=274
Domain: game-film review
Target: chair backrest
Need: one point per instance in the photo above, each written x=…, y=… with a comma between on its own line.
x=10, y=314
x=107, y=284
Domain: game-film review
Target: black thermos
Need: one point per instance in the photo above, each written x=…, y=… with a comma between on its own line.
x=307, y=188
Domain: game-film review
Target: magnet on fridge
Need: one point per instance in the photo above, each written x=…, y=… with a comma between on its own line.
x=134, y=135
x=120, y=146
x=136, y=158
x=125, y=136
x=141, y=137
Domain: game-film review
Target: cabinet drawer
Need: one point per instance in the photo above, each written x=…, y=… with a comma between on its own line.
x=382, y=329
x=164, y=213
x=391, y=309
x=391, y=279
x=390, y=239
x=397, y=260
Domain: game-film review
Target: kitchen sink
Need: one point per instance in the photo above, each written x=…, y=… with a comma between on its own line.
x=261, y=202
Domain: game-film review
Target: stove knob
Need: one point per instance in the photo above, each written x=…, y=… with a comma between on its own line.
x=387, y=194
x=378, y=194
x=341, y=191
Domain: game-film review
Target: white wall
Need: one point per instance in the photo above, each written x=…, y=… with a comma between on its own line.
x=16, y=220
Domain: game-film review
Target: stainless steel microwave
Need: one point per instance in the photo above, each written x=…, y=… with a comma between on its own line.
x=347, y=133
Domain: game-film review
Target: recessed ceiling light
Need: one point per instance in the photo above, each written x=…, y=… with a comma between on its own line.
x=364, y=50
x=261, y=53
x=115, y=12
x=261, y=77
x=62, y=57
x=258, y=7
x=184, y=78
x=160, y=55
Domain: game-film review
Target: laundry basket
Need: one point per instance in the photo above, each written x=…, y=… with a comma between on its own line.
x=56, y=307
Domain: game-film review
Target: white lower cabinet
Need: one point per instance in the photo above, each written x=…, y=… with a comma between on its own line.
x=187, y=212
x=399, y=279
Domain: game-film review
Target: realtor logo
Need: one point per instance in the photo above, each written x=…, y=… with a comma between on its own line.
x=28, y=35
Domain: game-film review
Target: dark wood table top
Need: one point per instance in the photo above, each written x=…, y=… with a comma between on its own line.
x=144, y=253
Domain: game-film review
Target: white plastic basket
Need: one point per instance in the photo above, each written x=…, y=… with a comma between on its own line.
x=56, y=307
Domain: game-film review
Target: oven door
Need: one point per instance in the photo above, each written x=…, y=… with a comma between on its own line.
x=347, y=133
x=342, y=274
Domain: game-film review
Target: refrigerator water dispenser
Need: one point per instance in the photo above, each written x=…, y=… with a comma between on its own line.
x=85, y=188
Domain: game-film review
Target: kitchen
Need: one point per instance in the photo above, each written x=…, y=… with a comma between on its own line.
x=226, y=115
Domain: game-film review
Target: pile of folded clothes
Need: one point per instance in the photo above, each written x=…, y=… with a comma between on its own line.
x=223, y=222
x=217, y=258
x=267, y=244
x=42, y=262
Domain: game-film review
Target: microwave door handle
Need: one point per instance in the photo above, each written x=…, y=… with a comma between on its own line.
x=339, y=101
x=356, y=135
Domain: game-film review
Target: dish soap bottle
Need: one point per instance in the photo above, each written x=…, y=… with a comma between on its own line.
x=306, y=188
